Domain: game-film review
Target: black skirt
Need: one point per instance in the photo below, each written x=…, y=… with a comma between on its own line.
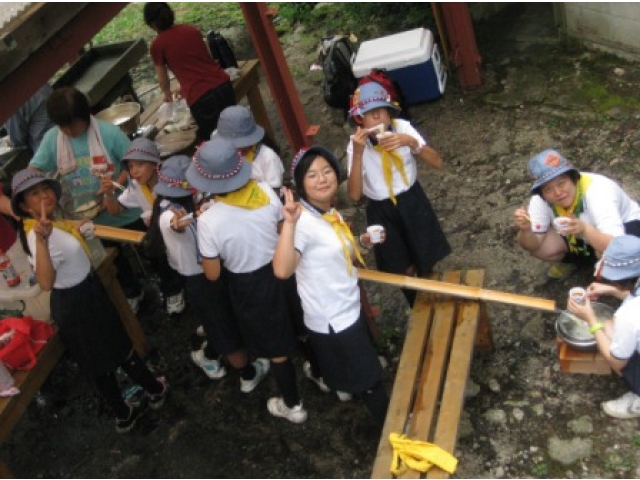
x=90, y=327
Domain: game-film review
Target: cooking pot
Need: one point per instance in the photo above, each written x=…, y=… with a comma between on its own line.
x=575, y=331
x=85, y=206
x=124, y=115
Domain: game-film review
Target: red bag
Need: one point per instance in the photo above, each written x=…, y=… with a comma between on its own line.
x=24, y=338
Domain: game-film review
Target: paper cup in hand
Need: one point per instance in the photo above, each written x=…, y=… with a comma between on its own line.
x=578, y=294
x=561, y=223
x=87, y=230
x=375, y=233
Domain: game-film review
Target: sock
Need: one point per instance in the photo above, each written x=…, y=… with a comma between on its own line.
x=285, y=376
x=210, y=351
x=310, y=355
x=248, y=372
x=108, y=387
x=140, y=373
x=377, y=401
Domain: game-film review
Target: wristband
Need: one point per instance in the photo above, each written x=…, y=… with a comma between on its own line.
x=595, y=327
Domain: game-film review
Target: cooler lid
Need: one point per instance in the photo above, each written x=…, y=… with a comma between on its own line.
x=400, y=50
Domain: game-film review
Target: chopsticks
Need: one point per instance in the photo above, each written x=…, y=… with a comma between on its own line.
x=118, y=186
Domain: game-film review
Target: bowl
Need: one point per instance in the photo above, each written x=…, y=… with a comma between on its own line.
x=575, y=331
x=124, y=115
x=85, y=206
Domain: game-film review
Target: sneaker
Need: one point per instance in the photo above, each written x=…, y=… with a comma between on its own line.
x=627, y=406
x=262, y=368
x=278, y=408
x=175, y=303
x=344, y=396
x=200, y=331
x=156, y=401
x=211, y=367
x=560, y=271
x=134, y=302
x=124, y=425
x=306, y=369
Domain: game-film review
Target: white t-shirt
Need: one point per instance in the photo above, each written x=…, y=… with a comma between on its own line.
x=330, y=296
x=626, y=329
x=373, y=183
x=606, y=206
x=243, y=239
x=133, y=197
x=69, y=259
x=182, y=247
x=267, y=167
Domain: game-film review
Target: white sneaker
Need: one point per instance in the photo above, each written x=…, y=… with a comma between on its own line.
x=344, y=396
x=175, y=303
x=134, y=302
x=262, y=366
x=627, y=406
x=278, y=408
x=306, y=369
x=212, y=368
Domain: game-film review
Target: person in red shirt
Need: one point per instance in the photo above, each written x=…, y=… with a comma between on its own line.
x=205, y=86
x=7, y=232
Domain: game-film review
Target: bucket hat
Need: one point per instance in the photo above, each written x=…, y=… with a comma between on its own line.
x=25, y=179
x=546, y=166
x=621, y=259
x=142, y=150
x=172, y=177
x=217, y=167
x=237, y=126
x=370, y=96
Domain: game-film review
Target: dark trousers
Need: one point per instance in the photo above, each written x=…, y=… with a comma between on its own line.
x=206, y=110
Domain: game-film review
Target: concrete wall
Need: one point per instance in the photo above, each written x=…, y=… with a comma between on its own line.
x=613, y=27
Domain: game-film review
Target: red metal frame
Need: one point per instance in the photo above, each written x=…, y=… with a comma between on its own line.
x=63, y=47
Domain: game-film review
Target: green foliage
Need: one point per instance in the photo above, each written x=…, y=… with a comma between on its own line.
x=540, y=469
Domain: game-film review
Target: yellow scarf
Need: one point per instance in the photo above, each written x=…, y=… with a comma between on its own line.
x=251, y=196
x=390, y=159
x=250, y=155
x=344, y=235
x=576, y=208
x=147, y=194
x=419, y=456
x=29, y=223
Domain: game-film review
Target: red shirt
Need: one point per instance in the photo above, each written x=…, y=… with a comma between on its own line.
x=7, y=233
x=183, y=50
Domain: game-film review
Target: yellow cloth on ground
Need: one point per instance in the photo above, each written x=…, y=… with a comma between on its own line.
x=147, y=194
x=344, y=235
x=29, y=223
x=389, y=160
x=251, y=196
x=419, y=456
x=576, y=208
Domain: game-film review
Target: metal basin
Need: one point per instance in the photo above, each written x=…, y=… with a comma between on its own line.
x=124, y=115
x=575, y=331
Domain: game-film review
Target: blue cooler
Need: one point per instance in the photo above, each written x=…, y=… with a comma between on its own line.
x=411, y=58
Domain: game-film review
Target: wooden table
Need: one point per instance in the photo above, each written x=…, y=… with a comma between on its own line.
x=247, y=85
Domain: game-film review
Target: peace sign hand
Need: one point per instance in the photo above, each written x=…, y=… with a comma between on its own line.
x=291, y=209
x=43, y=226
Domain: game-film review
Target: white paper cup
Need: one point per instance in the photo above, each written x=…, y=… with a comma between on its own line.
x=561, y=223
x=375, y=232
x=87, y=230
x=578, y=294
x=146, y=217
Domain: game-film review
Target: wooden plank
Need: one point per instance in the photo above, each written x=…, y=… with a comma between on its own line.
x=434, y=368
x=29, y=382
x=462, y=291
x=452, y=404
x=484, y=337
x=116, y=234
x=402, y=395
x=574, y=361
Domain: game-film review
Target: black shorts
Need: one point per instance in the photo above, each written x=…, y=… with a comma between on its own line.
x=414, y=235
x=587, y=256
x=631, y=373
x=212, y=308
x=260, y=306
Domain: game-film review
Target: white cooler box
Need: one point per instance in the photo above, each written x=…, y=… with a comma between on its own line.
x=411, y=58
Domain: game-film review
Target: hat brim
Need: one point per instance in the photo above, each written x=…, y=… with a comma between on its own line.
x=241, y=142
x=536, y=186
x=615, y=274
x=372, y=106
x=167, y=191
x=17, y=196
x=209, y=185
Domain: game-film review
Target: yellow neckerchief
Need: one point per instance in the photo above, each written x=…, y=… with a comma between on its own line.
x=390, y=159
x=29, y=223
x=250, y=154
x=342, y=231
x=147, y=194
x=251, y=196
x=576, y=208
x=419, y=456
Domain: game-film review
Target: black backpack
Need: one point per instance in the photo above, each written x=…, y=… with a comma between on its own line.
x=221, y=50
x=339, y=83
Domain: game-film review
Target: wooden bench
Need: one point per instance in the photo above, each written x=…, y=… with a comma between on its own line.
x=428, y=393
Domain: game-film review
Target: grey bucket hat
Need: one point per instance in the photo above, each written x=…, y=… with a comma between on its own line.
x=25, y=179
x=172, y=177
x=237, y=126
x=142, y=150
x=217, y=167
x=546, y=166
x=621, y=259
x=370, y=96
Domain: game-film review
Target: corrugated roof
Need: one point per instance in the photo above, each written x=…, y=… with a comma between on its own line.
x=9, y=11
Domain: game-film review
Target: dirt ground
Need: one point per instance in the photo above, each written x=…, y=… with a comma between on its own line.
x=523, y=416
